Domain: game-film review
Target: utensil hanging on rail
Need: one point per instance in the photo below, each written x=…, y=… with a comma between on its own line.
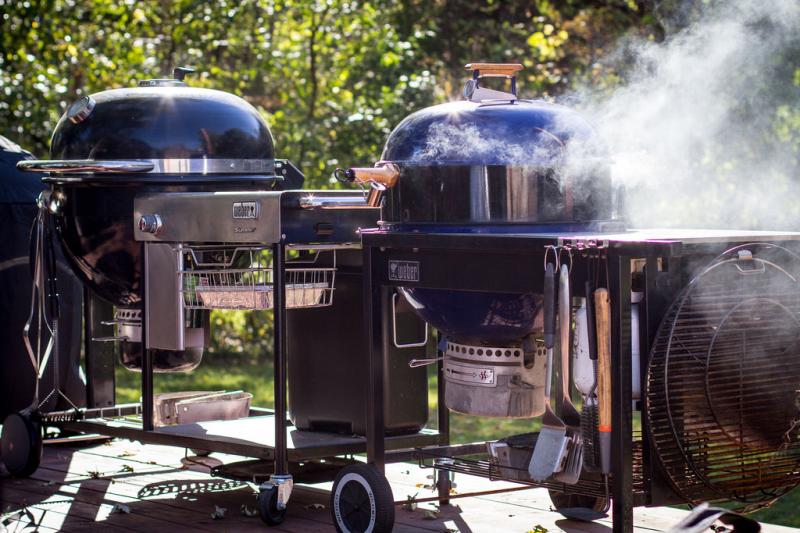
x=569, y=414
x=603, y=318
x=552, y=441
x=589, y=409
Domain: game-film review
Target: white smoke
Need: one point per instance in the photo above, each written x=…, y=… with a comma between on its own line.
x=466, y=142
x=692, y=134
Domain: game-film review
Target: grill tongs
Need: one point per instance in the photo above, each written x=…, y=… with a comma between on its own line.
x=573, y=462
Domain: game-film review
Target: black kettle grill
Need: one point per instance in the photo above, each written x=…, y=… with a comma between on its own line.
x=159, y=136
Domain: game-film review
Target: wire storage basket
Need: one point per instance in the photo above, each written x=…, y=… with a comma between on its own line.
x=242, y=278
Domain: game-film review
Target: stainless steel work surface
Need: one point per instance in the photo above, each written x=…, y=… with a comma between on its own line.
x=231, y=217
x=686, y=236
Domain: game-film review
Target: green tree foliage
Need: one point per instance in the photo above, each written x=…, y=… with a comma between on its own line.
x=331, y=77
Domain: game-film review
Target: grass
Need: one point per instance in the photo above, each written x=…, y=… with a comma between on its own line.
x=218, y=372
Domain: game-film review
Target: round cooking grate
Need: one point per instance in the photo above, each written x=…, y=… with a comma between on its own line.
x=723, y=380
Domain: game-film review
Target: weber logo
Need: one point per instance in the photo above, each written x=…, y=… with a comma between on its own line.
x=404, y=270
x=245, y=210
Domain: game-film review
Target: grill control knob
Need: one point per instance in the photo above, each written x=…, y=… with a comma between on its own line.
x=150, y=224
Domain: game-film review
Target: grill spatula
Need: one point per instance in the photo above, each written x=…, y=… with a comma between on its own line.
x=552, y=440
x=569, y=414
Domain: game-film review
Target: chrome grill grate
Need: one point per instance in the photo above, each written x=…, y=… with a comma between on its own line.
x=723, y=380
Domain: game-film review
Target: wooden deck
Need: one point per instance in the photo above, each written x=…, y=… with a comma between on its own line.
x=124, y=486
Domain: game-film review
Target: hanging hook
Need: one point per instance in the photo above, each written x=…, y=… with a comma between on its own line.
x=547, y=250
x=568, y=249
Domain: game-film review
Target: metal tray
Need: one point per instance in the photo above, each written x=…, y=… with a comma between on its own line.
x=260, y=296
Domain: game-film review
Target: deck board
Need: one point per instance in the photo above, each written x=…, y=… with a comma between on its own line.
x=165, y=492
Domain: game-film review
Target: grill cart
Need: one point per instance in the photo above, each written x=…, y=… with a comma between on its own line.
x=205, y=250
x=703, y=335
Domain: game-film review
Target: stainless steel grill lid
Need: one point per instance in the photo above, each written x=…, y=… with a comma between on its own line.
x=492, y=159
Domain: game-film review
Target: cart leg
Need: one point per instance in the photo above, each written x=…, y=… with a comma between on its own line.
x=147, y=358
x=99, y=355
x=274, y=494
x=279, y=293
x=375, y=297
x=621, y=425
x=443, y=482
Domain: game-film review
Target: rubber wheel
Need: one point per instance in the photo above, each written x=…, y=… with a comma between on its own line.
x=362, y=500
x=21, y=444
x=268, y=507
x=578, y=501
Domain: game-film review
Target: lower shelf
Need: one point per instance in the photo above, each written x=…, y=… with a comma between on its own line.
x=253, y=436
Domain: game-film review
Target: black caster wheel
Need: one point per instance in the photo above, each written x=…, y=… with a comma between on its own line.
x=21, y=444
x=361, y=500
x=268, y=507
x=579, y=506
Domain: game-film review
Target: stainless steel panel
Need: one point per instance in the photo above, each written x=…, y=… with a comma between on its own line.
x=229, y=217
x=163, y=298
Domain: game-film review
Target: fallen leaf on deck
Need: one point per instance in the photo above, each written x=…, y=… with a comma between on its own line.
x=219, y=512
x=315, y=507
x=248, y=511
x=428, y=514
x=126, y=468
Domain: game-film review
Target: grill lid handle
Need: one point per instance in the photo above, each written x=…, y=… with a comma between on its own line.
x=474, y=92
x=74, y=166
x=180, y=72
x=384, y=173
x=494, y=70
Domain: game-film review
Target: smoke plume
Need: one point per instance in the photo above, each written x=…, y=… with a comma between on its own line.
x=706, y=129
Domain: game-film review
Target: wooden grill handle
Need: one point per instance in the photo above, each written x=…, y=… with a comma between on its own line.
x=603, y=320
x=494, y=70
x=387, y=175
